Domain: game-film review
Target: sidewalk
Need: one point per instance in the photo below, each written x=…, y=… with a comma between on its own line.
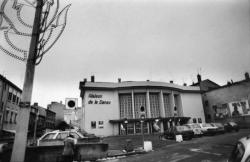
x=117, y=144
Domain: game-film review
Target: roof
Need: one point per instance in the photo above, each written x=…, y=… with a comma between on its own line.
x=10, y=83
x=231, y=84
x=206, y=81
x=135, y=84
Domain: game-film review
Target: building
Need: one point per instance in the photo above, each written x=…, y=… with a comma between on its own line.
x=58, y=109
x=41, y=118
x=205, y=85
x=110, y=108
x=69, y=115
x=10, y=95
x=228, y=101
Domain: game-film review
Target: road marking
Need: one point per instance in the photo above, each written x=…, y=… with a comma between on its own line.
x=206, y=152
x=177, y=157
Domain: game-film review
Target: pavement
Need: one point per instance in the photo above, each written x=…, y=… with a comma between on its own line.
x=208, y=148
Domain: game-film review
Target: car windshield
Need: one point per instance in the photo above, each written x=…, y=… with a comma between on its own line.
x=62, y=135
x=182, y=128
x=237, y=153
x=206, y=125
x=75, y=135
x=218, y=124
x=49, y=136
x=232, y=123
x=196, y=126
x=190, y=126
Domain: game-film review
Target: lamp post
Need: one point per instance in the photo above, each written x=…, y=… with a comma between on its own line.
x=35, y=126
x=126, y=126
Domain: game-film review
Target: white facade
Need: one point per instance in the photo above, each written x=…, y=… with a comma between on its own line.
x=101, y=106
x=193, y=106
x=108, y=107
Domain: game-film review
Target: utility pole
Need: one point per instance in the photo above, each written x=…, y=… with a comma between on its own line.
x=20, y=142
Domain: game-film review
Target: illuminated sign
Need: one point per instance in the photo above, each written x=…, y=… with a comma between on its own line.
x=97, y=99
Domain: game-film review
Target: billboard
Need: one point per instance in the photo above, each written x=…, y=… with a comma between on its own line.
x=239, y=108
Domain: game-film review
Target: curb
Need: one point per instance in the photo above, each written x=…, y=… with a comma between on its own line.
x=127, y=153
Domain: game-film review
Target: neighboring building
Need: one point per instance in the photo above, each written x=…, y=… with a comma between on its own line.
x=205, y=85
x=73, y=116
x=109, y=108
x=58, y=109
x=10, y=95
x=50, y=119
x=45, y=119
x=69, y=115
x=228, y=101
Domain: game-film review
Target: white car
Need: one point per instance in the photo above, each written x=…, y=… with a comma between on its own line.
x=241, y=151
x=57, y=137
x=196, y=129
x=208, y=129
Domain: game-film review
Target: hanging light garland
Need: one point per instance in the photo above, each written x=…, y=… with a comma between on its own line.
x=47, y=36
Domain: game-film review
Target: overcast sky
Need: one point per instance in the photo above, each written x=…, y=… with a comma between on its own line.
x=136, y=40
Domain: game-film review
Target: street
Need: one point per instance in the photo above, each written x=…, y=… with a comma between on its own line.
x=205, y=149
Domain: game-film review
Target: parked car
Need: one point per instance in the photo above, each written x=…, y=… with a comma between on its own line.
x=220, y=127
x=241, y=151
x=196, y=129
x=183, y=130
x=231, y=126
x=57, y=137
x=208, y=129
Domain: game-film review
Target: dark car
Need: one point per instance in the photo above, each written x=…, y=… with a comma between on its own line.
x=220, y=128
x=185, y=131
x=231, y=126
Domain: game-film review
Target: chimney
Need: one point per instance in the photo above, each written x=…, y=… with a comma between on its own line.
x=171, y=81
x=85, y=80
x=35, y=104
x=247, y=76
x=199, y=78
x=92, y=78
x=119, y=80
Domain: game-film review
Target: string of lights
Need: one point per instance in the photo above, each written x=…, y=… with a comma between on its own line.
x=46, y=30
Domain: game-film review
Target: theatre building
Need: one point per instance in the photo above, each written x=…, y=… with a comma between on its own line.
x=114, y=108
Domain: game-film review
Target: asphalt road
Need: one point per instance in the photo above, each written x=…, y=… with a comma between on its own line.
x=204, y=149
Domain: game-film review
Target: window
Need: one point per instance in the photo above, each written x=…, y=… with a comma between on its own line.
x=100, y=123
x=194, y=120
x=199, y=120
x=14, y=98
x=49, y=136
x=9, y=96
x=215, y=108
x=17, y=100
x=11, y=114
x=126, y=106
x=62, y=135
x=167, y=106
x=1, y=108
x=93, y=124
x=76, y=136
x=206, y=103
x=154, y=105
x=6, y=116
x=15, y=118
x=139, y=101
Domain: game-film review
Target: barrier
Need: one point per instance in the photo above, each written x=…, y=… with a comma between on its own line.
x=90, y=151
x=148, y=146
